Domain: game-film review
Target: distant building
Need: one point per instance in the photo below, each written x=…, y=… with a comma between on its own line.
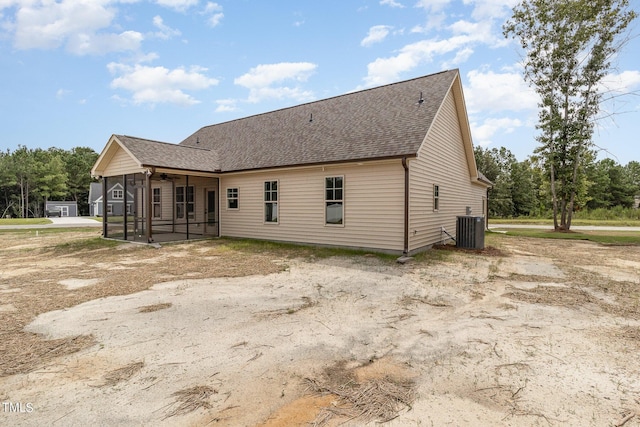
x=60, y=208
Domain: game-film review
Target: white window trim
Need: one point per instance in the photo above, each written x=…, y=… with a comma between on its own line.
x=185, y=203
x=236, y=198
x=109, y=209
x=277, y=202
x=120, y=193
x=324, y=189
x=436, y=198
x=158, y=203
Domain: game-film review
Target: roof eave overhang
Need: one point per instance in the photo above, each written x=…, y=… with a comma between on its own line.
x=322, y=164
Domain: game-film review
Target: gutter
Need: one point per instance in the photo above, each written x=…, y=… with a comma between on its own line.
x=405, y=251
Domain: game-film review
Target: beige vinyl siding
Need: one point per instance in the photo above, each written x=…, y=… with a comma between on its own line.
x=373, y=206
x=441, y=161
x=121, y=163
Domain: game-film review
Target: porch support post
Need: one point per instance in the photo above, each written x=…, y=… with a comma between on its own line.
x=125, y=217
x=104, y=207
x=186, y=204
x=146, y=199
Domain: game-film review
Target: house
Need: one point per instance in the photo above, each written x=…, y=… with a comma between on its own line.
x=115, y=194
x=387, y=168
x=60, y=208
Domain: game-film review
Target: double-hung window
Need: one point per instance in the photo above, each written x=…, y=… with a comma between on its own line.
x=271, y=201
x=334, y=200
x=436, y=197
x=185, y=202
x=117, y=194
x=232, y=198
x=157, y=202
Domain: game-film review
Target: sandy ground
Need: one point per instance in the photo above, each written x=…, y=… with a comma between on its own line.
x=536, y=332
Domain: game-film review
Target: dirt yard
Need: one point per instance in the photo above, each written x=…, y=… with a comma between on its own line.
x=212, y=333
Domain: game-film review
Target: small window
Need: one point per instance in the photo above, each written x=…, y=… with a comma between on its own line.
x=271, y=201
x=232, y=198
x=436, y=197
x=117, y=194
x=334, y=200
x=110, y=209
x=157, y=203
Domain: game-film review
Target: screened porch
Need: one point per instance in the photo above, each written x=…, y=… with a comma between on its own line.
x=155, y=207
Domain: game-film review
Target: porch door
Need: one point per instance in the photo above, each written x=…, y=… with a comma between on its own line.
x=210, y=214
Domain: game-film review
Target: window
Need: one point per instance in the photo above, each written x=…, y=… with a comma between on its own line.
x=436, y=197
x=157, y=203
x=185, y=202
x=232, y=198
x=271, y=201
x=334, y=200
x=110, y=209
x=117, y=194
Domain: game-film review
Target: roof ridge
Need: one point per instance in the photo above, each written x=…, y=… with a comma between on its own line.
x=321, y=100
x=166, y=143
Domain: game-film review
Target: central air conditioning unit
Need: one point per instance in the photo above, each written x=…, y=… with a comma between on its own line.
x=470, y=232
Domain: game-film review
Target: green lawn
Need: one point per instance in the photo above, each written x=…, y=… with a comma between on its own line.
x=603, y=237
x=541, y=221
x=24, y=221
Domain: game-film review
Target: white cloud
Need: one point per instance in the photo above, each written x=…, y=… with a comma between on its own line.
x=61, y=93
x=483, y=133
x=215, y=10
x=489, y=91
x=491, y=9
x=391, y=3
x=212, y=7
x=215, y=19
x=74, y=24
x=98, y=44
x=226, y=105
x=376, y=34
x=165, y=32
x=179, y=5
x=387, y=70
x=156, y=85
x=433, y=5
x=266, y=81
x=624, y=82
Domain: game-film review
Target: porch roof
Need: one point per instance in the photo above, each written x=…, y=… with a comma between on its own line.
x=144, y=153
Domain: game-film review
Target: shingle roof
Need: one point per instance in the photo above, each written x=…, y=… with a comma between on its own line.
x=383, y=122
x=161, y=154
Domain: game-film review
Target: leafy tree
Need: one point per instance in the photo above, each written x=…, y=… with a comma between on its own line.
x=632, y=170
x=514, y=192
x=7, y=183
x=51, y=177
x=568, y=46
x=24, y=169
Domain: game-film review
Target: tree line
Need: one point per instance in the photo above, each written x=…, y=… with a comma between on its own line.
x=30, y=177
x=522, y=188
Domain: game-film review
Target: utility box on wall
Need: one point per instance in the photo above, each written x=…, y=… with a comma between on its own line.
x=470, y=232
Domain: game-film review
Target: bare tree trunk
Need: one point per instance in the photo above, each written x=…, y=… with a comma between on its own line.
x=22, y=197
x=554, y=197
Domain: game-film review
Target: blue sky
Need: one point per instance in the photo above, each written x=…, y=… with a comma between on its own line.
x=73, y=72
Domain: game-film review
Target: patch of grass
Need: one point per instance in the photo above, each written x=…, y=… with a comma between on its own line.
x=622, y=222
x=87, y=244
x=603, y=237
x=298, y=250
x=24, y=221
